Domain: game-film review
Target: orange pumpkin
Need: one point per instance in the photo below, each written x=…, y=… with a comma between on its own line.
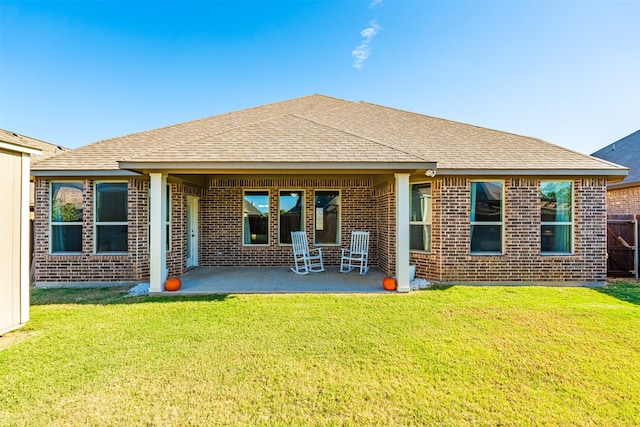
x=389, y=283
x=172, y=284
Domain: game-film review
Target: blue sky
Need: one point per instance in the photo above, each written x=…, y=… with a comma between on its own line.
x=76, y=72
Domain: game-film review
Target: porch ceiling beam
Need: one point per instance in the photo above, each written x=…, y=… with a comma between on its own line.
x=83, y=173
x=276, y=167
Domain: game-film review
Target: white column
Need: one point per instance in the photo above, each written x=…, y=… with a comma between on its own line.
x=402, y=231
x=24, y=238
x=158, y=232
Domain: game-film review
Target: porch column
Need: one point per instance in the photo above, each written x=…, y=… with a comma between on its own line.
x=158, y=232
x=402, y=231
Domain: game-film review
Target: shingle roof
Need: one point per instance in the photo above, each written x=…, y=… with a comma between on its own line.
x=318, y=128
x=625, y=152
x=455, y=145
x=48, y=150
x=104, y=155
x=289, y=137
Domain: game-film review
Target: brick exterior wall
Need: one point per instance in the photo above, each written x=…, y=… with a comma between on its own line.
x=428, y=265
x=363, y=207
x=91, y=267
x=624, y=201
x=221, y=219
x=384, y=201
x=87, y=267
x=522, y=260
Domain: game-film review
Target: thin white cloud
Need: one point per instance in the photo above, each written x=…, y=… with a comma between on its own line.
x=375, y=3
x=361, y=53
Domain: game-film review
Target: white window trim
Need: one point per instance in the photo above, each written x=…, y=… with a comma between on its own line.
x=501, y=223
x=52, y=223
x=339, y=230
x=423, y=223
x=291, y=190
x=256, y=190
x=570, y=223
x=96, y=223
x=168, y=225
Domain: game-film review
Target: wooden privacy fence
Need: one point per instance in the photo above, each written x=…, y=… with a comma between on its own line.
x=622, y=245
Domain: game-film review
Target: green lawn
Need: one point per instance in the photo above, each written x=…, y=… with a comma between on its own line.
x=453, y=356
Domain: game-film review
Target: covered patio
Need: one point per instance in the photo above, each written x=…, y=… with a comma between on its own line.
x=256, y=280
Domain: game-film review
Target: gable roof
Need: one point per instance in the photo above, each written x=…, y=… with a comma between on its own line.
x=626, y=152
x=46, y=149
x=319, y=132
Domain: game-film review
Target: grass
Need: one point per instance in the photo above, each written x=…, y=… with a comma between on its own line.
x=455, y=356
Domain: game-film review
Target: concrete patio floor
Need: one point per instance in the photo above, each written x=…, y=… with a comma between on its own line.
x=254, y=280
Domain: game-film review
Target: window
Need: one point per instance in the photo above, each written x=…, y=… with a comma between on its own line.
x=327, y=217
x=167, y=216
x=291, y=214
x=111, y=229
x=420, y=217
x=556, y=214
x=486, y=217
x=255, y=218
x=66, y=217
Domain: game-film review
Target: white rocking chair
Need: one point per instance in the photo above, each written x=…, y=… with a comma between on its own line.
x=303, y=260
x=357, y=255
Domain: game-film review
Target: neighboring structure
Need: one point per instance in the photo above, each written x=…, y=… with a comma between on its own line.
x=464, y=203
x=623, y=198
x=46, y=150
x=14, y=229
x=623, y=207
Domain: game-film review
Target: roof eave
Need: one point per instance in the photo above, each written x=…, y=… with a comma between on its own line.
x=624, y=184
x=611, y=174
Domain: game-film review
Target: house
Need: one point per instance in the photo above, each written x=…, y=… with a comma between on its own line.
x=463, y=203
x=14, y=229
x=623, y=198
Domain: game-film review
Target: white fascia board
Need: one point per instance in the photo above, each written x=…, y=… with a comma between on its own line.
x=19, y=148
x=83, y=173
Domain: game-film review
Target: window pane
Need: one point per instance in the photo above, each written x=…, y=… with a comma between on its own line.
x=111, y=202
x=486, y=238
x=256, y=217
x=486, y=201
x=420, y=204
x=327, y=217
x=556, y=238
x=555, y=201
x=167, y=214
x=111, y=238
x=66, y=238
x=420, y=237
x=66, y=202
x=290, y=208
